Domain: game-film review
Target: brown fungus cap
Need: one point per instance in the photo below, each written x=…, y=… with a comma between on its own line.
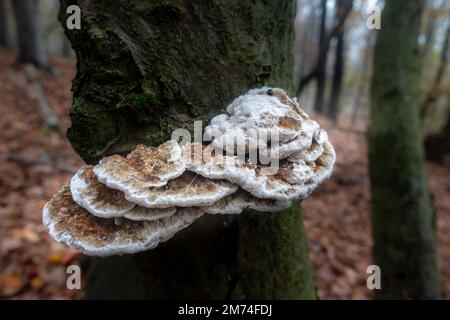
x=188, y=190
x=290, y=181
x=144, y=167
x=71, y=224
x=97, y=198
x=104, y=202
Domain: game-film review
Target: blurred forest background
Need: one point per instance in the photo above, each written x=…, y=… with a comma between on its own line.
x=334, y=52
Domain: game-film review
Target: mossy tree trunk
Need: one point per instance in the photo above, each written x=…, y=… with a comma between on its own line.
x=146, y=68
x=404, y=243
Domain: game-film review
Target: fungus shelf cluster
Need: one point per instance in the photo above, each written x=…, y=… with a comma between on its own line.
x=131, y=204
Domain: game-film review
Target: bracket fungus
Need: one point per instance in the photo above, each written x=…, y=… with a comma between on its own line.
x=242, y=200
x=263, y=153
x=104, y=202
x=71, y=224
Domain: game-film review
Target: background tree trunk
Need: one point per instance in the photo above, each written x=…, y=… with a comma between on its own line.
x=31, y=43
x=5, y=40
x=338, y=72
x=366, y=74
x=437, y=146
x=431, y=96
x=430, y=15
x=322, y=66
x=404, y=243
x=146, y=68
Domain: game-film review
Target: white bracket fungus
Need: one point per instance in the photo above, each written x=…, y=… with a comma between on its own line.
x=71, y=224
x=242, y=200
x=104, y=202
x=126, y=205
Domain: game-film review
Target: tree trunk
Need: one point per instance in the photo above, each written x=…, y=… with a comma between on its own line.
x=404, y=244
x=446, y=134
x=31, y=43
x=5, y=41
x=318, y=72
x=430, y=20
x=322, y=66
x=437, y=146
x=432, y=94
x=338, y=73
x=366, y=71
x=147, y=68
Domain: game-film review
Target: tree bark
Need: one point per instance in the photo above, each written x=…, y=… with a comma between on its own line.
x=364, y=82
x=437, y=146
x=147, y=68
x=430, y=18
x=322, y=66
x=5, y=40
x=338, y=72
x=31, y=43
x=430, y=97
x=404, y=242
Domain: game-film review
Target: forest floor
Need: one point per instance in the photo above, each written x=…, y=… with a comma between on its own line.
x=35, y=162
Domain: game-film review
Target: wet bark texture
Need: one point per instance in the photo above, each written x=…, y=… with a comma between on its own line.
x=404, y=243
x=146, y=68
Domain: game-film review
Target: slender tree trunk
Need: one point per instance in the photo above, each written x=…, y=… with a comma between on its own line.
x=305, y=50
x=430, y=98
x=146, y=68
x=446, y=134
x=432, y=8
x=322, y=67
x=5, y=40
x=338, y=73
x=404, y=242
x=318, y=72
x=31, y=43
x=366, y=71
x=437, y=146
